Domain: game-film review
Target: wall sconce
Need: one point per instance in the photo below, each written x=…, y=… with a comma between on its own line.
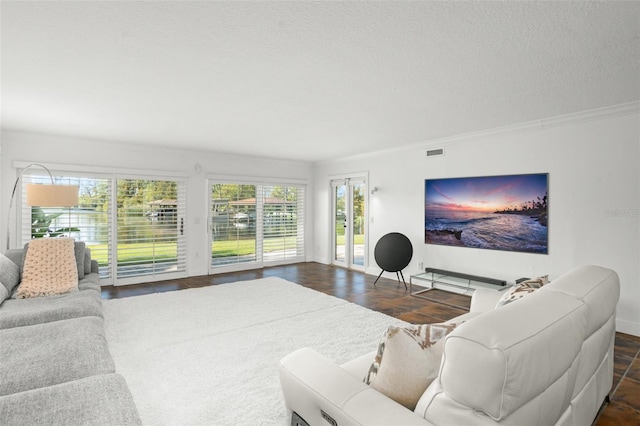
x=374, y=190
x=43, y=195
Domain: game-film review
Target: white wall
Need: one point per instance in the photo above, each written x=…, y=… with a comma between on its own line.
x=592, y=160
x=47, y=149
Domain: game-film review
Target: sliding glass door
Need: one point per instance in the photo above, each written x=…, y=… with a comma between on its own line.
x=134, y=227
x=253, y=225
x=89, y=222
x=150, y=234
x=282, y=237
x=233, y=224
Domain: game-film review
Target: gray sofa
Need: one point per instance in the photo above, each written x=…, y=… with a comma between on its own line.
x=55, y=364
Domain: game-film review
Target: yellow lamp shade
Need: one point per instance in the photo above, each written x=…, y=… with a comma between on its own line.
x=52, y=195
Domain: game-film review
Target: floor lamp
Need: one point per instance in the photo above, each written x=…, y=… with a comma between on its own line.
x=44, y=195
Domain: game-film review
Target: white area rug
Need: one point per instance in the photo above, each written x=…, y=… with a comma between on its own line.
x=210, y=355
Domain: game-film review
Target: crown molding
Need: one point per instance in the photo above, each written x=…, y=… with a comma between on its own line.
x=545, y=123
x=528, y=126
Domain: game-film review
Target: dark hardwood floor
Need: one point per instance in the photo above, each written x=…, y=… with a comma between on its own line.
x=392, y=299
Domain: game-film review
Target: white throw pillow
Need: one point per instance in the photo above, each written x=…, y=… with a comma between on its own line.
x=520, y=290
x=408, y=360
x=540, y=281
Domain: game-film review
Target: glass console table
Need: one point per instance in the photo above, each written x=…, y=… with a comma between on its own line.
x=441, y=279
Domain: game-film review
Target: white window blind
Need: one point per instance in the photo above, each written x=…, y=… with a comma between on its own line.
x=233, y=213
x=256, y=224
x=283, y=223
x=88, y=222
x=150, y=227
x=135, y=228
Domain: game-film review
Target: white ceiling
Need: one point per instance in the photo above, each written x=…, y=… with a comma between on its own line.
x=309, y=80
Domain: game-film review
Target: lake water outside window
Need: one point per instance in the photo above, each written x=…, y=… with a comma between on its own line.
x=134, y=227
x=150, y=226
x=88, y=222
x=233, y=223
x=256, y=224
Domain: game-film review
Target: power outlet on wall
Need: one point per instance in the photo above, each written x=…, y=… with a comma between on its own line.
x=421, y=266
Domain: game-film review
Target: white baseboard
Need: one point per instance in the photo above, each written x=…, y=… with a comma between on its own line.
x=322, y=260
x=628, y=328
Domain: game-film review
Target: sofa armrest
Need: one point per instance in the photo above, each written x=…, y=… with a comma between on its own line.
x=484, y=300
x=316, y=388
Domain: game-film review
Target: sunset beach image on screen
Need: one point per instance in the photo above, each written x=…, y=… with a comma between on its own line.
x=490, y=212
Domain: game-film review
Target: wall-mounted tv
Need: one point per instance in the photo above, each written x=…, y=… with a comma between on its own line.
x=489, y=212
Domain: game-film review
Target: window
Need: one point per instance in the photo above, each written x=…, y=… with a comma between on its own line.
x=88, y=222
x=255, y=224
x=150, y=232
x=283, y=223
x=233, y=224
x=134, y=227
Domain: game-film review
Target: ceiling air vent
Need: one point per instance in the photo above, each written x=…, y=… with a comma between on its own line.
x=435, y=152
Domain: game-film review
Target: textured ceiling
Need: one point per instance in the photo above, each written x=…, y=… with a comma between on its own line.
x=309, y=80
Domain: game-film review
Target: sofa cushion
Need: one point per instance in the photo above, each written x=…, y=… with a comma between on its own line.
x=41, y=355
x=96, y=400
x=538, y=282
x=9, y=273
x=520, y=290
x=50, y=267
x=4, y=294
x=21, y=312
x=87, y=262
x=15, y=255
x=80, y=253
x=514, y=293
x=407, y=361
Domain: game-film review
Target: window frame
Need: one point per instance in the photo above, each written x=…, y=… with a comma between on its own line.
x=23, y=212
x=260, y=183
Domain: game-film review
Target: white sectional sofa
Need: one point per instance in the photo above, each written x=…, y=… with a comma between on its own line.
x=542, y=360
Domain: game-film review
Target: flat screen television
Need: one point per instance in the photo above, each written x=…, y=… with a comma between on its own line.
x=489, y=212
